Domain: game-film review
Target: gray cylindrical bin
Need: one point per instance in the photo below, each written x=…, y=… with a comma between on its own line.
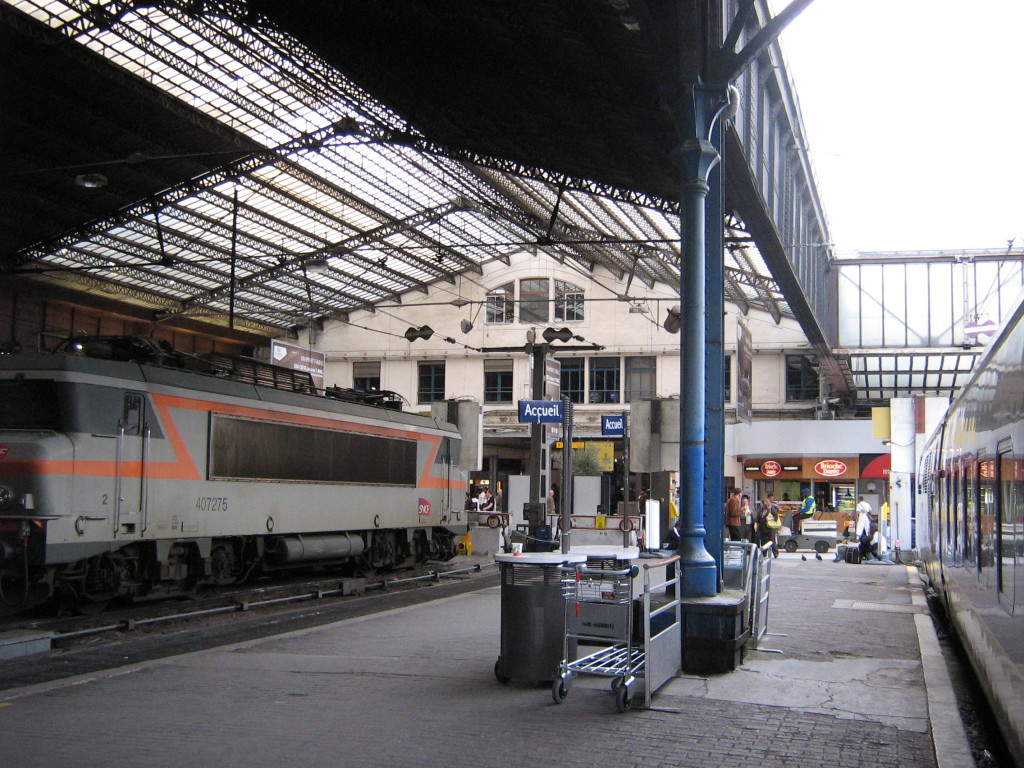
x=532, y=616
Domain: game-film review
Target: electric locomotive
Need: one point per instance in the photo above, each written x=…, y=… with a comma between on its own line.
x=129, y=470
x=971, y=524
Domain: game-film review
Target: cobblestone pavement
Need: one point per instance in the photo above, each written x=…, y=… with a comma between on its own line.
x=415, y=687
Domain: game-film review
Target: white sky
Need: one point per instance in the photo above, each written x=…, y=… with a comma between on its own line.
x=914, y=112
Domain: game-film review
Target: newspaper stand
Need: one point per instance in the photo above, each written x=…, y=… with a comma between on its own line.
x=599, y=610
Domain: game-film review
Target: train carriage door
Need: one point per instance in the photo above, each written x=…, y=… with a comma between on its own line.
x=1008, y=523
x=130, y=475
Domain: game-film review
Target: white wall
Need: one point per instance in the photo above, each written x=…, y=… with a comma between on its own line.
x=801, y=438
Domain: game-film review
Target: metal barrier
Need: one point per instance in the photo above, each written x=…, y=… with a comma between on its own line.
x=759, y=596
x=748, y=568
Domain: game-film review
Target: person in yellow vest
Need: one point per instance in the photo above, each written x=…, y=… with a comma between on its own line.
x=807, y=509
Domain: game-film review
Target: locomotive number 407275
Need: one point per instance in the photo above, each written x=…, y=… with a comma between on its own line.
x=212, y=504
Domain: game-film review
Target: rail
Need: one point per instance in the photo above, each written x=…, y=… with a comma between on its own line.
x=246, y=605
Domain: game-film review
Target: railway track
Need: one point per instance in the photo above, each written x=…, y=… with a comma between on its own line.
x=81, y=645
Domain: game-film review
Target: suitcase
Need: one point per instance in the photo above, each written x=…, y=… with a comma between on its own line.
x=853, y=555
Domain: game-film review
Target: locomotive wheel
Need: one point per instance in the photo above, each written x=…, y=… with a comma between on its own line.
x=623, y=701
x=790, y=545
x=821, y=547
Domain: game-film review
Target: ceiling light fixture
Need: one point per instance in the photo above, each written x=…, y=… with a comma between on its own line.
x=317, y=266
x=91, y=180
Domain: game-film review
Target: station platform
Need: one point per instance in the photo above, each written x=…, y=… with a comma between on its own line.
x=850, y=674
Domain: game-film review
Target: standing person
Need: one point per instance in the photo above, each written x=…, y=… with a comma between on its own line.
x=767, y=524
x=807, y=508
x=865, y=527
x=734, y=515
x=748, y=518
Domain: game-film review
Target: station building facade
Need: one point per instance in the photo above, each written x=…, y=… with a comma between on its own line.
x=619, y=352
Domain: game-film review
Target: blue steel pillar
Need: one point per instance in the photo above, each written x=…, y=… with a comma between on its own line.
x=695, y=112
x=714, y=359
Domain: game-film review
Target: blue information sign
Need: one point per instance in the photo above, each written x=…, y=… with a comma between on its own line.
x=613, y=426
x=538, y=411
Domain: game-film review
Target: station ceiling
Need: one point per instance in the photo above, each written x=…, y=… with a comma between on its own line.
x=261, y=165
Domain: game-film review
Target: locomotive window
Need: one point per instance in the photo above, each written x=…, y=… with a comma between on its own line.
x=29, y=404
x=448, y=452
x=260, y=450
x=131, y=418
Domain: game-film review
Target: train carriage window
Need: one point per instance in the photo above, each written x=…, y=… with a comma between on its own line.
x=1009, y=519
x=969, y=532
x=987, y=505
x=954, y=510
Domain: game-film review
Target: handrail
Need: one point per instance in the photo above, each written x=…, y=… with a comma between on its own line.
x=658, y=563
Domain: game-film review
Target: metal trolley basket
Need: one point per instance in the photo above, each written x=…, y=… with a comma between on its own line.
x=599, y=609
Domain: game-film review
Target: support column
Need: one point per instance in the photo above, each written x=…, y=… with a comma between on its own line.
x=694, y=111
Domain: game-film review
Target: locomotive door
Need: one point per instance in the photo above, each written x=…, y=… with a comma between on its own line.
x=130, y=475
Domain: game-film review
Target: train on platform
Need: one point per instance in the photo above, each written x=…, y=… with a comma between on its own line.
x=128, y=470
x=970, y=517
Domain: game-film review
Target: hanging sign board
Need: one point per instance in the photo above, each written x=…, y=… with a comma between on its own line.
x=540, y=411
x=299, y=359
x=613, y=426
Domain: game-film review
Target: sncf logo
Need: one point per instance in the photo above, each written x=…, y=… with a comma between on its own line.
x=424, y=507
x=4, y=450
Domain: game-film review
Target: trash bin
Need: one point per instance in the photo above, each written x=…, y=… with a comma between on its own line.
x=532, y=616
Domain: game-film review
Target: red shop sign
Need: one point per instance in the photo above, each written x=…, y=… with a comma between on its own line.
x=830, y=468
x=771, y=469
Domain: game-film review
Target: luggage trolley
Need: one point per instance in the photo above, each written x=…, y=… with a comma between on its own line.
x=599, y=609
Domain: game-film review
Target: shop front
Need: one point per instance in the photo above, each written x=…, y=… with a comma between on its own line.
x=832, y=480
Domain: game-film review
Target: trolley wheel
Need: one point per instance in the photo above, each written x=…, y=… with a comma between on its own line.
x=493, y=521
x=790, y=545
x=625, y=524
x=623, y=701
x=821, y=547
x=560, y=526
x=559, y=690
x=616, y=684
x=503, y=679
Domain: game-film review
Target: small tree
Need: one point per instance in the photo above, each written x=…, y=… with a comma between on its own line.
x=584, y=463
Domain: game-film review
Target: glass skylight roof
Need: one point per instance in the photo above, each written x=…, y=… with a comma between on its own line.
x=388, y=218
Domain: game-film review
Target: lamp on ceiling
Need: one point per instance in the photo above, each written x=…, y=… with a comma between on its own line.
x=317, y=266
x=673, y=320
x=91, y=180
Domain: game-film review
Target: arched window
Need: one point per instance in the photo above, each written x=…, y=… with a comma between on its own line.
x=533, y=300
x=501, y=304
x=568, y=302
